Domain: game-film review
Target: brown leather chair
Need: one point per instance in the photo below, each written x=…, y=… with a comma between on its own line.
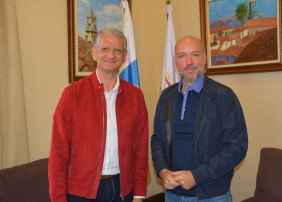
x=25, y=183
x=269, y=177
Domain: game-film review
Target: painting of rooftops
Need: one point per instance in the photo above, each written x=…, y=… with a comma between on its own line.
x=243, y=32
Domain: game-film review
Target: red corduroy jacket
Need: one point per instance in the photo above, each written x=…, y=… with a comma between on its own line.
x=79, y=136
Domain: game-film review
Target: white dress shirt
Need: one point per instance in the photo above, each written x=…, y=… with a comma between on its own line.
x=111, y=157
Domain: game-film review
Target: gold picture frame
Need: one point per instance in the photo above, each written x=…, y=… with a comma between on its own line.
x=217, y=33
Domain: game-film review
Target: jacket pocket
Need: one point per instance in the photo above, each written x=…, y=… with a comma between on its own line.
x=71, y=162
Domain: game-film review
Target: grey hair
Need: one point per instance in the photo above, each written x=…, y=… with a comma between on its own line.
x=113, y=32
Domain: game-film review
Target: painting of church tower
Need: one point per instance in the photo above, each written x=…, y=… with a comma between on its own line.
x=253, y=9
x=91, y=28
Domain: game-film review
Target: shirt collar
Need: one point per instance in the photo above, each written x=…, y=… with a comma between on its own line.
x=197, y=86
x=117, y=83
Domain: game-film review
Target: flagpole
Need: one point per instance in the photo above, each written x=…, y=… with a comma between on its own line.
x=167, y=3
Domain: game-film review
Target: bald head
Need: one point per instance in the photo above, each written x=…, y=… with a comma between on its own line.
x=191, y=40
x=190, y=59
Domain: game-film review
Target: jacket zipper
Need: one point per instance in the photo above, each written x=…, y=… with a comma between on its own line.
x=120, y=187
x=196, y=144
x=70, y=162
x=101, y=144
x=120, y=169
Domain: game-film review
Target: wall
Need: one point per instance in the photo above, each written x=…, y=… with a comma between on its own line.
x=43, y=38
x=43, y=42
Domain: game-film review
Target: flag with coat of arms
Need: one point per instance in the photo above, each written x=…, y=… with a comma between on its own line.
x=169, y=74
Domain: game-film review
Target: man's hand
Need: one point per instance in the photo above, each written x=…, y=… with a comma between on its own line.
x=137, y=200
x=184, y=178
x=167, y=178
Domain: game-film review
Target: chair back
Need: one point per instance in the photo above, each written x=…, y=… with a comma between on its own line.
x=25, y=183
x=269, y=176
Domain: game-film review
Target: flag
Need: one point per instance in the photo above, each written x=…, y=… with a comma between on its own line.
x=169, y=75
x=129, y=71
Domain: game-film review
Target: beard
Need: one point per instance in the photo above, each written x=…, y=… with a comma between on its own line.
x=191, y=78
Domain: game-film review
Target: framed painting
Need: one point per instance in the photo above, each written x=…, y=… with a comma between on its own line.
x=85, y=19
x=241, y=36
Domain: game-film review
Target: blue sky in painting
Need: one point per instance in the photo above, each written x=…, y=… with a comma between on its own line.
x=107, y=12
x=222, y=8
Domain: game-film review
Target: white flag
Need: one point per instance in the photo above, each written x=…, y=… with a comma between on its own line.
x=129, y=71
x=169, y=75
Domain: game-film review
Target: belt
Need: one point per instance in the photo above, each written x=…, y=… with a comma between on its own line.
x=108, y=176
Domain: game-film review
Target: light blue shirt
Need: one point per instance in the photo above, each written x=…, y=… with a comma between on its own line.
x=197, y=86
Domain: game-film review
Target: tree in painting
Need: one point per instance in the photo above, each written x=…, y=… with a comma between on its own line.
x=241, y=13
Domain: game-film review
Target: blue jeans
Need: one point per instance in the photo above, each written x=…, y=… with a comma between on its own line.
x=170, y=197
x=108, y=191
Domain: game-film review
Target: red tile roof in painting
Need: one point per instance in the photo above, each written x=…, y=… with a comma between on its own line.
x=84, y=61
x=236, y=30
x=233, y=51
x=262, y=48
x=225, y=39
x=215, y=52
x=261, y=22
x=219, y=29
x=83, y=46
x=250, y=37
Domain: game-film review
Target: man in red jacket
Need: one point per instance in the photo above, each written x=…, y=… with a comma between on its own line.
x=99, y=149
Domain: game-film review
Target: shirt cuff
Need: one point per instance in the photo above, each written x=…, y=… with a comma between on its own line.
x=138, y=196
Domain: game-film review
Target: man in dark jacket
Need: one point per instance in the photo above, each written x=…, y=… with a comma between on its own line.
x=200, y=133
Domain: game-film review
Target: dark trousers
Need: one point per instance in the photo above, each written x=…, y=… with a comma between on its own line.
x=108, y=191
